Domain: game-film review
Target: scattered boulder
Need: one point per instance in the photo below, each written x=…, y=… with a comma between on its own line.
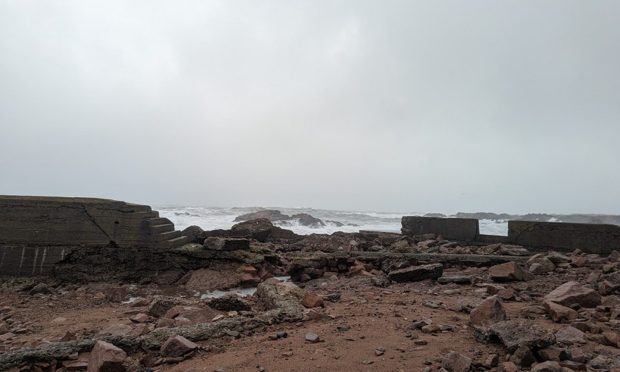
x=506, y=272
x=490, y=311
x=539, y=264
x=195, y=234
x=560, y=313
x=523, y=357
x=416, y=273
x=456, y=362
x=40, y=288
x=230, y=302
x=571, y=293
x=160, y=306
x=105, y=357
x=517, y=332
x=177, y=346
x=569, y=335
x=548, y=366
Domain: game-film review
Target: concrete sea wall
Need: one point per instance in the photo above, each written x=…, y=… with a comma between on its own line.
x=37, y=232
x=590, y=238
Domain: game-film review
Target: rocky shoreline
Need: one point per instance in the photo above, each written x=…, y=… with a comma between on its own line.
x=356, y=301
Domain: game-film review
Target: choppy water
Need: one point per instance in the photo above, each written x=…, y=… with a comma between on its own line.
x=210, y=218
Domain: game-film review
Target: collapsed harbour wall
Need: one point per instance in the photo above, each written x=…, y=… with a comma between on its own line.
x=38, y=232
x=590, y=238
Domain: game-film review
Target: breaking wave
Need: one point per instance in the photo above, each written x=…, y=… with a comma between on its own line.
x=211, y=218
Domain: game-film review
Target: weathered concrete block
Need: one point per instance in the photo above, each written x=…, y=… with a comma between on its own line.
x=38, y=232
x=590, y=238
x=30, y=261
x=462, y=229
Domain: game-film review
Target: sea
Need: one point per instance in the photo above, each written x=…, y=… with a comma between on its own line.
x=211, y=218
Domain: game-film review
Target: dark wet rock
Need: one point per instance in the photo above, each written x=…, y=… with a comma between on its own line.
x=416, y=273
x=307, y=220
x=40, y=288
x=229, y=302
x=332, y=297
x=523, y=357
x=268, y=214
x=160, y=306
x=195, y=234
x=571, y=293
x=227, y=244
x=553, y=353
x=262, y=230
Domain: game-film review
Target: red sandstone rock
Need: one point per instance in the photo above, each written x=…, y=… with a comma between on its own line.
x=506, y=272
x=141, y=318
x=507, y=367
x=488, y=312
x=105, y=357
x=612, y=338
x=311, y=300
x=560, y=313
x=571, y=293
x=177, y=346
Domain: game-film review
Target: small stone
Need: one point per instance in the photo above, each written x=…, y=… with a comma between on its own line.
x=456, y=362
x=506, y=272
x=569, y=335
x=177, y=346
x=431, y=328
x=416, y=273
x=560, y=313
x=332, y=297
x=523, y=357
x=105, y=357
x=548, y=366
x=312, y=337
x=491, y=361
x=379, y=351
x=141, y=318
x=488, y=312
x=311, y=300
x=572, y=292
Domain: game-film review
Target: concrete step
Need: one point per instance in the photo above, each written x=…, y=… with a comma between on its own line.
x=145, y=214
x=168, y=235
x=158, y=229
x=158, y=221
x=177, y=242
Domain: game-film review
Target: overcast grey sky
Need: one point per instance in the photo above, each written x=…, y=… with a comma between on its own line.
x=442, y=106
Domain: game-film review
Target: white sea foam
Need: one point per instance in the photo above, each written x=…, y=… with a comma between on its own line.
x=211, y=218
